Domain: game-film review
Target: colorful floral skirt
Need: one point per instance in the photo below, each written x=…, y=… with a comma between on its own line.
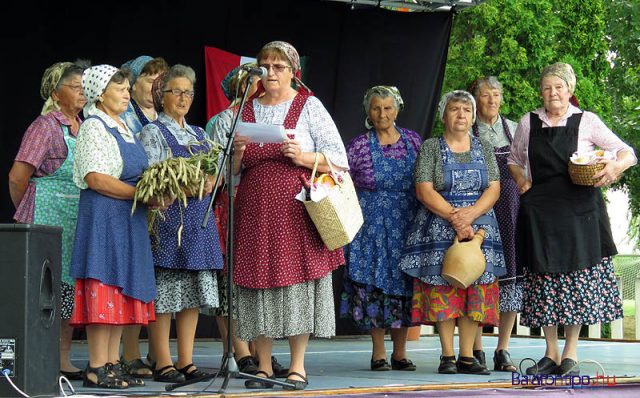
x=97, y=303
x=437, y=303
x=369, y=307
x=583, y=297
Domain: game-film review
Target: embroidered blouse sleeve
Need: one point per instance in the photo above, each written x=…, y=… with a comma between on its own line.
x=426, y=163
x=155, y=146
x=324, y=132
x=96, y=152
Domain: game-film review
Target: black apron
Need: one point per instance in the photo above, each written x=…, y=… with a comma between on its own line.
x=562, y=227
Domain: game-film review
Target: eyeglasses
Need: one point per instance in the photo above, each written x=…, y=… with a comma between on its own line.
x=177, y=92
x=278, y=68
x=74, y=88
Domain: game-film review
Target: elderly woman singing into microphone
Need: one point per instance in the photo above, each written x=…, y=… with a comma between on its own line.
x=283, y=269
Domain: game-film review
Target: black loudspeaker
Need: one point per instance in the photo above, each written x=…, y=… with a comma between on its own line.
x=29, y=300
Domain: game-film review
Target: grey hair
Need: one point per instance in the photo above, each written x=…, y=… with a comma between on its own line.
x=177, y=71
x=489, y=81
x=457, y=96
x=563, y=71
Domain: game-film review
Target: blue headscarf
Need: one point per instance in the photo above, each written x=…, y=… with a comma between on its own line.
x=239, y=73
x=135, y=66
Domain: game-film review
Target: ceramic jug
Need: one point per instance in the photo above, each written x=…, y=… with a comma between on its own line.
x=464, y=262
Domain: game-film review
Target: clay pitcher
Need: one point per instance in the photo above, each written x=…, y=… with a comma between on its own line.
x=464, y=262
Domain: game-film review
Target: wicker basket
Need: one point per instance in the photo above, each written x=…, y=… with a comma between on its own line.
x=582, y=174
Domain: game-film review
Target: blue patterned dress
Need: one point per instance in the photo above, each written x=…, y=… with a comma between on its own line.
x=430, y=235
x=376, y=293
x=111, y=245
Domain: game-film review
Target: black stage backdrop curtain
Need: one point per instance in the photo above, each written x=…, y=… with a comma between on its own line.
x=349, y=51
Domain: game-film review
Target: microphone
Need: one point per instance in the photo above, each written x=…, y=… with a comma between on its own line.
x=260, y=72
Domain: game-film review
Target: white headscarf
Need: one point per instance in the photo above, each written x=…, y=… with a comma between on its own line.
x=94, y=82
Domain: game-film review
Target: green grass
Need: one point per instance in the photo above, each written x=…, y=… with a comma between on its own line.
x=629, y=307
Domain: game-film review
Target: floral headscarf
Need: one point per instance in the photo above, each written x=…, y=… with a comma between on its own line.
x=50, y=80
x=563, y=71
x=294, y=59
x=156, y=92
x=290, y=52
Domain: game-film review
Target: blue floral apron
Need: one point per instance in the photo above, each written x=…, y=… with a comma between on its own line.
x=431, y=235
x=112, y=245
x=374, y=254
x=200, y=248
x=56, y=202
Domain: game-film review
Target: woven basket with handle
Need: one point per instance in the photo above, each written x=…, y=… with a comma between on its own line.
x=337, y=217
x=582, y=174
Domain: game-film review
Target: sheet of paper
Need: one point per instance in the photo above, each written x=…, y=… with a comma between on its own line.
x=259, y=132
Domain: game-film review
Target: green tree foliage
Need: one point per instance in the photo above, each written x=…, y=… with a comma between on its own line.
x=623, y=29
x=515, y=39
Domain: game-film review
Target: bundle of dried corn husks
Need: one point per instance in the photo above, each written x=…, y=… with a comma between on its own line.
x=176, y=177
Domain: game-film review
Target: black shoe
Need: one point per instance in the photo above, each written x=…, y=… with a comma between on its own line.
x=136, y=368
x=568, y=367
x=279, y=371
x=79, y=375
x=122, y=373
x=105, y=378
x=403, y=364
x=258, y=384
x=380, y=364
x=297, y=384
x=168, y=374
x=471, y=365
x=545, y=366
x=447, y=365
x=194, y=373
x=502, y=362
x=248, y=365
x=479, y=355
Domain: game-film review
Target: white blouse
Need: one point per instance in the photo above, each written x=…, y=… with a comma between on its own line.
x=97, y=150
x=154, y=143
x=315, y=131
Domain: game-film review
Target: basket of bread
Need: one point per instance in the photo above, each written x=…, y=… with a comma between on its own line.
x=583, y=165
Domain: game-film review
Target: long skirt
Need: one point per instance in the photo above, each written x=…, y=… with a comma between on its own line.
x=183, y=289
x=583, y=297
x=306, y=307
x=369, y=307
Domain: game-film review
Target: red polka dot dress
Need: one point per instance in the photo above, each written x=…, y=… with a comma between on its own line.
x=275, y=242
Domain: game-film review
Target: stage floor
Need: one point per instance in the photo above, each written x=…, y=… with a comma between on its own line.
x=340, y=366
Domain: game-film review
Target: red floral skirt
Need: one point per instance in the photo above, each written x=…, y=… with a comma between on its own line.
x=97, y=303
x=432, y=303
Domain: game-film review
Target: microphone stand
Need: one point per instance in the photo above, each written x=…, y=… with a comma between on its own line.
x=229, y=366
